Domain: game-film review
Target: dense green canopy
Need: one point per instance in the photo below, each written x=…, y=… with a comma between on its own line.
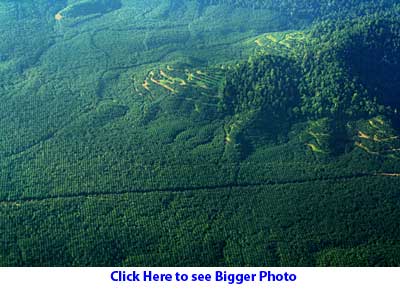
x=199, y=133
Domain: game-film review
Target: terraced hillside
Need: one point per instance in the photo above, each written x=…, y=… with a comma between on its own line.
x=199, y=133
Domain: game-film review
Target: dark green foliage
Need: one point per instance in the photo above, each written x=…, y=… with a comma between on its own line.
x=266, y=85
x=199, y=133
x=248, y=226
x=372, y=54
x=341, y=70
x=348, y=72
x=310, y=8
x=107, y=113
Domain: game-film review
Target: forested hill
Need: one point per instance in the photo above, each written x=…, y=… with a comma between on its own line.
x=362, y=54
x=343, y=71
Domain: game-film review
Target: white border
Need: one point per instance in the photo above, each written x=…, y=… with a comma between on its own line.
x=99, y=279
